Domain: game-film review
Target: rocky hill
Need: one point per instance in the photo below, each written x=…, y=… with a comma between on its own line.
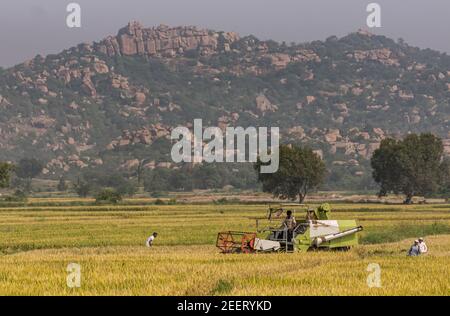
x=112, y=103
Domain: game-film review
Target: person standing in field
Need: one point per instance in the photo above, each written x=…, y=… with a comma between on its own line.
x=414, y=250
x=422, y=246
x=150, y=240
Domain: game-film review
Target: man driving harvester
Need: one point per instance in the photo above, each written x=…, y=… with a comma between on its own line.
x=289, y=224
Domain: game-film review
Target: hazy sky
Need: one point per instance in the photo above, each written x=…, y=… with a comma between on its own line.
x=31, y=27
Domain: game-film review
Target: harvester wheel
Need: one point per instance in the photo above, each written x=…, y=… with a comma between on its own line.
x=343, y=249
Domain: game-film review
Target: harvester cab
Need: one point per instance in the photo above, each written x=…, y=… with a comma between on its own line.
x=315, y=231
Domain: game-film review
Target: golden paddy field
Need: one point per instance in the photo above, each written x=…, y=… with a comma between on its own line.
x=108, y=242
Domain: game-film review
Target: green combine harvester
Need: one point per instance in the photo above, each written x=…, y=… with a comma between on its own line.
x=315, y=231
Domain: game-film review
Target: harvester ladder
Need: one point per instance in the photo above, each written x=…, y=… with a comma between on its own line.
x=287, y=242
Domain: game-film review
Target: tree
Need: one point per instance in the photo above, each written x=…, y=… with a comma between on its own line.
x=62, y=186
x=82, y=187
x=140, y=169
x=157, y=180
x=29, y=168
x=26, y=170
x=386, y=163
x=5, y=174
x=181, y=180
x=300, y=171
x=445, y=176
x=117, y=182
x=411, y=166
x=209, y=176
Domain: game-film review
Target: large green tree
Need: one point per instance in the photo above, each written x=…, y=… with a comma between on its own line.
x=300, y=171
x=410, y=166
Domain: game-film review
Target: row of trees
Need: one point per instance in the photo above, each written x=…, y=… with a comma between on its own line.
x=25, y=171
x=185, y=178
x=94, y=181
x=413, y=166
x=205, y=176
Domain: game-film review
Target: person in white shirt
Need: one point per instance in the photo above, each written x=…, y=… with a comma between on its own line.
x=422, y=246
x=150, y=240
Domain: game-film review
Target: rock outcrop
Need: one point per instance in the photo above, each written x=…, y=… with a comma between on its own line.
x=383, y=55
x=264, y=105
x=165, y=41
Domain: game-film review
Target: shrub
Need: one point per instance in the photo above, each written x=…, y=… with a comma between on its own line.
x=160, y=202
x=108, y=195
x=158, y=194
x=19, y=196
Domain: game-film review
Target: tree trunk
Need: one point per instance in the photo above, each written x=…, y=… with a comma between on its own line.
x=301, y=198
x=139, y=173
x=27, y=186
x=302, y=193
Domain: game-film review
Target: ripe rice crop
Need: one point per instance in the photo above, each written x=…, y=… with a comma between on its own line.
x=37, y=244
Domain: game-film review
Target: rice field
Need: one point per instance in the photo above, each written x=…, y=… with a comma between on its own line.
x=108, y=242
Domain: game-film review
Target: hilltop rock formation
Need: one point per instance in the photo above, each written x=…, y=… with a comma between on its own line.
x=165, y=41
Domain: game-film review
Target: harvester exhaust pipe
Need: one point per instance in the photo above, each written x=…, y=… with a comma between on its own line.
x=320, y=240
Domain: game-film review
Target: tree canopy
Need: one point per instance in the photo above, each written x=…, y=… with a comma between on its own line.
x=29, y=168
x=299, y=172
x=411, y=166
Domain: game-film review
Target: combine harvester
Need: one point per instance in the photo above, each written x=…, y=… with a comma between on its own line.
x=315, y=231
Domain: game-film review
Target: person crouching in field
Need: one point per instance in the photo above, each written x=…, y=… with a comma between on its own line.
x=422, y=246
x=414, y=250
x=150, y=240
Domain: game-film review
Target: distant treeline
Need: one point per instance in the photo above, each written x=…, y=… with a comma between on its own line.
x=413, y=166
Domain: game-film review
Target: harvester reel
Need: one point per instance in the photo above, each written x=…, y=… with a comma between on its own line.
x=225, y=242
x=236, y=242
